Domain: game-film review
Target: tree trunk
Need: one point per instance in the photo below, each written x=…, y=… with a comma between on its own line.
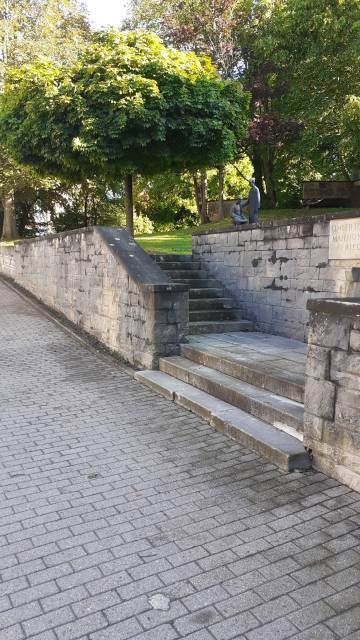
x=86, y=203
x=269, y=180
x=204, y=198
x=197, y=192
x=221, y=177
x=9, y=231
x=129, y=204
x=258, y=172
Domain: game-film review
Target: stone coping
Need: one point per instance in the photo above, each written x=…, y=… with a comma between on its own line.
x=349, y=307
x=273, y=224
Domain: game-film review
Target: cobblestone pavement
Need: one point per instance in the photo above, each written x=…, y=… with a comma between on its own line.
x=125, y=516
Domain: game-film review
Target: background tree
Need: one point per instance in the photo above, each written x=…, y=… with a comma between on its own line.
x=316, y=46
x=299, y=59
x=30, y=29
x=129, y=105
x=228, y=31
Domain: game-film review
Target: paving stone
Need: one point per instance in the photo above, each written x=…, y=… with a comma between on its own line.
x=85, y=625
x=232, y=627
x=48, y=621
x=276, y=608
x=121, y=631
x=195, y=621
x=311, y=615
x=319, y=632
x=164, y=632
x=280, y=629
x=345, y=623
x=344, y=599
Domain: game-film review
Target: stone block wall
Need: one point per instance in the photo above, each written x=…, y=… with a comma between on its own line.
x=103, y=282
x=272, y=269
x=332, y=389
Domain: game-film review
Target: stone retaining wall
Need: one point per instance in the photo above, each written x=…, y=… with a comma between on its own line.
x=103, y=282
x=272, y=269
x=332, y=390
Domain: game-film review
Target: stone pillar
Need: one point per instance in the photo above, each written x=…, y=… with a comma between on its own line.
x=332, y=389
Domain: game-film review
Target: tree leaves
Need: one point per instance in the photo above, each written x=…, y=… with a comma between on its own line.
x=128, y=104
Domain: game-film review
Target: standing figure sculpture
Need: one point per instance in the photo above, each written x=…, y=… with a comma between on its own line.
x=253, y=202
x=237, y=213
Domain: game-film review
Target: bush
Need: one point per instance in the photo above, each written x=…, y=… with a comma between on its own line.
x=143, y=224
x=168, y=217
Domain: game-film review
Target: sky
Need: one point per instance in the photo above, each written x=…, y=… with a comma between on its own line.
x=106, y=12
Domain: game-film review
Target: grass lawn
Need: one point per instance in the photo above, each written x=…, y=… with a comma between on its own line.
x=179, y=241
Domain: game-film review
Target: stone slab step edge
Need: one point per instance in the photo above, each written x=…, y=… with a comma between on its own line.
x=206, y=292
x=280, y=448
x=202, y=304
x=263, y=379
x=190, y=274
x=173, y=257
x=199, y=283
x=266, y=406
x=180, y=266
x=211, y=315
x=225, y=326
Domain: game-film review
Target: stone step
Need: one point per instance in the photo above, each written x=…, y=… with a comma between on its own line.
x=265, y=405
x=280, y=448
x=180, y=266
x=264, y=376
x=195, y=293
x=210, y=303
x=218, y=326
x=211, y=315
x=172, y=257
x=198, y=283
x=183, y=276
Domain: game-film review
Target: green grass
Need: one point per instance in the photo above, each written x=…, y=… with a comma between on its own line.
x=179, y=241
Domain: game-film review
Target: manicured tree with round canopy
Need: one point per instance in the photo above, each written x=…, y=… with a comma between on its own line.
x=129, y=105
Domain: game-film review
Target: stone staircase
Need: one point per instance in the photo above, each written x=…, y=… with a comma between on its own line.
x=247, y=385
x=210, y=311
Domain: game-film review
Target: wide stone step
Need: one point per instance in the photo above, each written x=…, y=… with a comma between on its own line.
x=180, y=266
x=198, y=283
x=177, y=274
x=219, y=326
x=211, y=315
x=269, y=407
x=264, y=375
x=196, y=293
x=282, y=449
x=172, y=257
x=202, y=304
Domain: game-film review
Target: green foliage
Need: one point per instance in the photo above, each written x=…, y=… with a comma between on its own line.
x=129, y=105
x=317, y=45
x=167, y=199
x=143, y=224
x=29, y=30
x=169, y=216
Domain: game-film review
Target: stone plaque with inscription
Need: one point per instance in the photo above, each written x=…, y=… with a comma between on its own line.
x=344, y=242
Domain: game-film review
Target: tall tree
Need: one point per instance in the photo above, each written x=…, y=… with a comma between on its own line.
x=316, y=45
x=29, y=30
x=128, y=105
x=229, y=32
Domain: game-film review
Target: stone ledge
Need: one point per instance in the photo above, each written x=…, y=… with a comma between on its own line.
x=349, y=307
x=273, y=224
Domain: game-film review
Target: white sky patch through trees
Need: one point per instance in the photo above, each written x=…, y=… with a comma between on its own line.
x=107, y=12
